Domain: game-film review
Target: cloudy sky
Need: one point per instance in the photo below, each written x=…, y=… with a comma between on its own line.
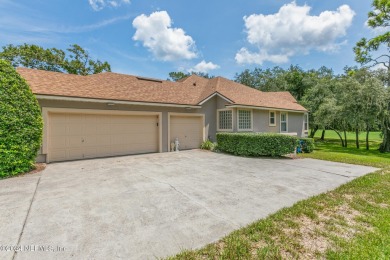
x=154, y=37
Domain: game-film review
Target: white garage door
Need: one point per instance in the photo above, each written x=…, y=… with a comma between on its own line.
x=189, y=130
x=79, y=136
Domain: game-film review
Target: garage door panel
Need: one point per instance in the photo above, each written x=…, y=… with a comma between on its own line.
x=74, y=118
x=90, y=129
x=78, y=136
x=58, y=142
x=74, y=128
x=59, y=154
x=58, y=129
x=188, y=129
x=75, y=153
x=103, y=129
x=74, y=141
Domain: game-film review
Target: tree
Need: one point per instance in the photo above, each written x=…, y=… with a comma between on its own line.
x=176, y=76
x=331, y=114
x=79, y=62
x=75, y=61
x=314, y=98
x=35, y=57
x=263, y=80
x=376, y=51
x=20, y=123
x=245, y=78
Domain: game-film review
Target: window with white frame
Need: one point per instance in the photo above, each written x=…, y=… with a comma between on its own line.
x=244, y=120
x=283, y=122
x=225, y=120
x=306, y=122
x=272, y=118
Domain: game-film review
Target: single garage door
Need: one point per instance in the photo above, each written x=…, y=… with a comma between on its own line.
x=79, y=136
x=189, y=130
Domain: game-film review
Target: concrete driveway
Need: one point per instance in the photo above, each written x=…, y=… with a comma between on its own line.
x=155, y=205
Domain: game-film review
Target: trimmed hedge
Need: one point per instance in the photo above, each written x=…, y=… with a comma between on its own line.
x=256, y=144
x=20, y=123
x=307, y=144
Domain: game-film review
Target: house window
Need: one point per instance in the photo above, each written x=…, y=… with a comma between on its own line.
x=272, y=119
x=225, y=118
x=244, y=120
x=283, y=122
x=306, y=122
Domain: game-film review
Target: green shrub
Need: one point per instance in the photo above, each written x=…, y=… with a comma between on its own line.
x=256, y=144
x=208, y=145
x=307, y=144
x=20, y=123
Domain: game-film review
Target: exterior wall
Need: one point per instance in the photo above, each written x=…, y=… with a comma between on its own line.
x=102, y=106
x=261, y=122
x=209, y=110
x=295, y=121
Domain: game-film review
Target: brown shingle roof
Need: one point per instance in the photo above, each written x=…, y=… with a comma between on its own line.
x=114, y=86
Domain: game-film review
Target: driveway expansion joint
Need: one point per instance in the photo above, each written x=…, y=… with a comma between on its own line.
x=194, y=201
x=28, y=213
x=338, y=174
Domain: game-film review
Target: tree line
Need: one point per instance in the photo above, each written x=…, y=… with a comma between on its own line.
x=355, y=100
x=73, y=60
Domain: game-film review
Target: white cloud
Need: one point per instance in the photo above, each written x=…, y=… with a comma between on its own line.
x=98, y=5
x=166, y=43
x=204, y=67
x=292, y=30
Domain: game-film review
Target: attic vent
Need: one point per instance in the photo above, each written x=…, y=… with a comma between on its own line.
x=149, y=79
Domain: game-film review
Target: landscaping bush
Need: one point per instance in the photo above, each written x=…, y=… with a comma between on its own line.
x=208, y=145
x=256, y=144
x=20, y=123
x=307, y=144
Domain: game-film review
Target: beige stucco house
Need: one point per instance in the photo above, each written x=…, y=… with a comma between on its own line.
x=110, y=114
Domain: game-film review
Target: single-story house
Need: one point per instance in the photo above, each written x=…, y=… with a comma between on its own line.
x=110, y=114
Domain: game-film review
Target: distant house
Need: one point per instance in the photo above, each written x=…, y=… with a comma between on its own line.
x=110, y=114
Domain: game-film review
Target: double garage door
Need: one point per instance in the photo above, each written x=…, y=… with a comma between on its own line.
x=73, y=136
x=78, y=136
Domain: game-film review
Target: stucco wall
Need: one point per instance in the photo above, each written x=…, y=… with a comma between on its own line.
x=209, y=109
x=295, y=123
x=261, y=122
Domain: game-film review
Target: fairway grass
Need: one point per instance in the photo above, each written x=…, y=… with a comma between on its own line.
x=350, y=222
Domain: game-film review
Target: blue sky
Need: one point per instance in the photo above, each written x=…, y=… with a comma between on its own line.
x=154, y=37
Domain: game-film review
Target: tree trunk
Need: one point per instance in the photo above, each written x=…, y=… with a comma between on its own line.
x=313, y=131
x=385, y=146
x=367, y=144
x=345, y=139
x=357, y=138
x=341, y=138
x=323, y=135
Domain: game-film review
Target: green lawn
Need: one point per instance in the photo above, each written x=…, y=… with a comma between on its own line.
x=330, y=149
x=351, y=222
x=330, y=134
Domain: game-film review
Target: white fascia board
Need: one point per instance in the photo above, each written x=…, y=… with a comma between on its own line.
x=50, y=97
x=266, y=108
x=213, y=95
